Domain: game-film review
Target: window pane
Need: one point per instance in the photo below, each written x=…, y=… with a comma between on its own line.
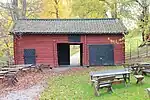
x=74, y=38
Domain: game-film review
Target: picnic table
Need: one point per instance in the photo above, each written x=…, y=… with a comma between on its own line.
x=23, y=67
x=10, y=73
x=124, y=73
x=144, y=67
x=138, y=67
x=10, y=76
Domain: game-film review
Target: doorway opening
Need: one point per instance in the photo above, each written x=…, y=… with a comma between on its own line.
x=69, y=54
x=75, y=55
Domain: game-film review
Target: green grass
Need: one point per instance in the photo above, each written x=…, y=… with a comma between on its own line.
x=74, y=50
x=132, y=43
x=76, y=86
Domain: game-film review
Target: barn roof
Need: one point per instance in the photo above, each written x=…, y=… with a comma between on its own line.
x=69, y=26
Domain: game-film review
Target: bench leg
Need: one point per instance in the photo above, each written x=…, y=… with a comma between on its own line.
x=143, y=73
x=125, y=79
x=11, y=82
x=92, y=83
x=139, y=80
x=96, y=90
x=110, y=89
x=148, y=93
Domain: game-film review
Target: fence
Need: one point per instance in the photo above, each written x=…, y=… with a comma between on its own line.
x=133, y=50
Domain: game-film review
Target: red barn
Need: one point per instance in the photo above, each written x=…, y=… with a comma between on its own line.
x=47, y=41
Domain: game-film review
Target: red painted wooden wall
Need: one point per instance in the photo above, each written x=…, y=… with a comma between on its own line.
x=46, y=47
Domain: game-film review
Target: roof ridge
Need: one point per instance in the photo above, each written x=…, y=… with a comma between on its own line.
x=75, y=19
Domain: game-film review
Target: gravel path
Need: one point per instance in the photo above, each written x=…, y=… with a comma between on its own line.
x=75, y=60
x=27, y=94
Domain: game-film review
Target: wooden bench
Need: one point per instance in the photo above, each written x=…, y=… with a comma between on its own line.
x=139, y=78
x=11, y=78
x=103, y=82
x=145, y=71
x=118, y=79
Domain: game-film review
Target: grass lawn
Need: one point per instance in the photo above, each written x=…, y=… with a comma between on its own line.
x=74, y=51
x=133, y=42
x=75, y=85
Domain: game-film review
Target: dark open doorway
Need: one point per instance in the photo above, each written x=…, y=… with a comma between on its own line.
x=65, y=50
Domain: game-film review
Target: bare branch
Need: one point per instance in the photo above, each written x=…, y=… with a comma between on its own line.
x=139, y=3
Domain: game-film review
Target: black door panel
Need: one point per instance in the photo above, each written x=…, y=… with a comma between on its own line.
x=101, y=54
x=29, y=56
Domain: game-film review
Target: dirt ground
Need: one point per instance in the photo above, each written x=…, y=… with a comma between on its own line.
x=27, y=84
x=31, y=84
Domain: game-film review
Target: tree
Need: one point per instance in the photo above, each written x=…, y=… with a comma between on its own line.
x=56, y=9
x=111, y=5
x=144, y=17
x=88, y=9
x=9, y=13
x=22, y=8
x=118, y=8
x=125, y=9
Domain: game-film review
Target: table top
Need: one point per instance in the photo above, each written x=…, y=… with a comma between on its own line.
x=109, y=72
x=144, y=63
x=148, y=89
x=23, y=65
x=3, y=72
x=12, y=68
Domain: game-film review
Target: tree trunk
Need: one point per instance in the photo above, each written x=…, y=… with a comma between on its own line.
x=57, y=12
x=144, y=19
x=56, y=8
x=143, y=36
x=24, y=7
x=15, y=14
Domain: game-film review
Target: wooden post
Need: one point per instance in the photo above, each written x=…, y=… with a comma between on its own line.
x=130, y=50
x=85, y=51
x=146, y=51
x=137, y=49
x=54, y=53
x=15, y=44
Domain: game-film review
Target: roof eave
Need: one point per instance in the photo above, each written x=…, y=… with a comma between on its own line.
x=57, y=33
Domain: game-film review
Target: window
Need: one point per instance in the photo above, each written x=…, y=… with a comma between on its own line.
x=74, y=38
